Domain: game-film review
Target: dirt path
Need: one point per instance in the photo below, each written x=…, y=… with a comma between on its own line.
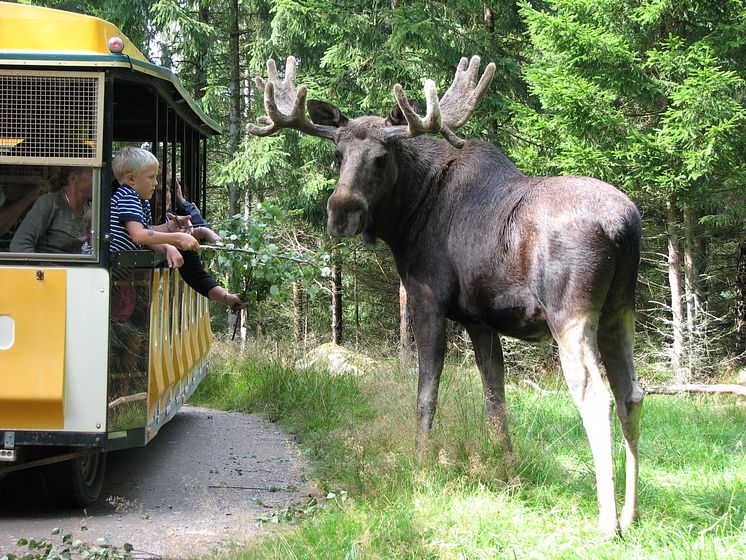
x=196, y=489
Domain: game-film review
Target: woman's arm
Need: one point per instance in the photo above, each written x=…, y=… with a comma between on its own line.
x=10, y=214
x=33, y=226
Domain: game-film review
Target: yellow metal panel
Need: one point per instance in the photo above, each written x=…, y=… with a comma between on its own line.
x=32, y=368
x=178, y=356
x=157, y=380
x=186, y=329
x=33, y=28
x=193, y=330
x=205, y=334
x=167, y=347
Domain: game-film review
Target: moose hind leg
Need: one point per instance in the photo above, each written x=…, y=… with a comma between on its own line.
x=581, y=366
x=488, y=353
x=615, y=343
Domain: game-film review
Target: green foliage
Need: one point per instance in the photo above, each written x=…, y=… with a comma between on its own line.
x=261, y=254
x=464, y=501
x=66, y=547
x=652, y=112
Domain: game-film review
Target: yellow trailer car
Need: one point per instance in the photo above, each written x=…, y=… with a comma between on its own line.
x=97, y=349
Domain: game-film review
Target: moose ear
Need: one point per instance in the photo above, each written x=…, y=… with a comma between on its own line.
x=325, y=113
x=396, y=117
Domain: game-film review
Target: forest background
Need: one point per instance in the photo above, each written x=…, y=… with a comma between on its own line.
x=647, y=95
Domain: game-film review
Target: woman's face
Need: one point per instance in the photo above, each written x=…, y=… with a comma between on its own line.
x=82, y=182
x=157, y=200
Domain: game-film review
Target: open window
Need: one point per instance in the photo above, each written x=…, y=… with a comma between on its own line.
x=51, y=139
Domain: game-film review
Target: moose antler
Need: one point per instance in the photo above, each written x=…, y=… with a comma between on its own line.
x=451, y=111
x=286, y=106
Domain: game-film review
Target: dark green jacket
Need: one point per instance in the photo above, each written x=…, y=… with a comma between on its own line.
x=51, y=226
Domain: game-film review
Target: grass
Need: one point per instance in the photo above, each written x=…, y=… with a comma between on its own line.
x=464, y=502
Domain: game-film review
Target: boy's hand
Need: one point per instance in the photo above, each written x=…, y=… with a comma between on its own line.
x=185, y=242
x=173, y=257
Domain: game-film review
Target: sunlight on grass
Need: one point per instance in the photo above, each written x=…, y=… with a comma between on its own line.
x=465, y=501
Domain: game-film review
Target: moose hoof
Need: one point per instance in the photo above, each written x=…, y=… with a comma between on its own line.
x=609, y=529
x=627, y=518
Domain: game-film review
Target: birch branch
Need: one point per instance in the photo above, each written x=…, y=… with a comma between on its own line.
x=697, y=388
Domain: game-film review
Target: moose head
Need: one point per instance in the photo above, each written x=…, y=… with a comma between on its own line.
x=365, y=145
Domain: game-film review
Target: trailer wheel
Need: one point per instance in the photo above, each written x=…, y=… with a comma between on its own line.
x=75, y=483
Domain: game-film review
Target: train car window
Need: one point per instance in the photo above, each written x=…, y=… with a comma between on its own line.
x=49, y=210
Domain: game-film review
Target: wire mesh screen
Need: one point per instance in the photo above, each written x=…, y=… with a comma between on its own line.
x=51, y=118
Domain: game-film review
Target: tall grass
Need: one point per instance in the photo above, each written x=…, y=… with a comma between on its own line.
x=465, y=501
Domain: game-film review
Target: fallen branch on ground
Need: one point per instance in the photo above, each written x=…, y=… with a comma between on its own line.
x=127, y=399
x=732, y=389
x=536, y=386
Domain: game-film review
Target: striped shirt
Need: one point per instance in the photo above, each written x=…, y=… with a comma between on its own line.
x=127, y=206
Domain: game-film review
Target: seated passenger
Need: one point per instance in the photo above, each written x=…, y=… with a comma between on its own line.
x=183, y=207
x=131, y=222
x=15, y=200
x=59, y=222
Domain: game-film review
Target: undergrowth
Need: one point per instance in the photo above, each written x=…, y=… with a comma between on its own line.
x=465, y=500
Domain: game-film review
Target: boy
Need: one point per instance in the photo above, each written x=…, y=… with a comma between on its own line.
x=136, y=170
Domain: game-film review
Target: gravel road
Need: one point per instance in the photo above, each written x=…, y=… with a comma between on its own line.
x=197, y=489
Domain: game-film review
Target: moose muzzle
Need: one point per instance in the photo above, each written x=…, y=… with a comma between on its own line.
x=346, y=215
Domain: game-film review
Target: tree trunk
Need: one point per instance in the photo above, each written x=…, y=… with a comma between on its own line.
x=248, y=118
x=337, y=303
x=404, y=340
x=234, y=130
x=674, y=281
x=246, y=202
x=234, y=93
x=741, y=302
x=297, y=313
x=200, y=73
x=691, y=281
x=489, y=19
x=259, y=319
x=357, y=309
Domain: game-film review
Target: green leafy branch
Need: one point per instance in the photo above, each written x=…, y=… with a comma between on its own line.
x=264, y=253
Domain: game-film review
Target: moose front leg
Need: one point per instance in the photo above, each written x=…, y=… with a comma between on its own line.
x=429, y=330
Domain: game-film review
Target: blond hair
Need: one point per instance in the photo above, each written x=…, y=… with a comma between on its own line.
x=132, y=160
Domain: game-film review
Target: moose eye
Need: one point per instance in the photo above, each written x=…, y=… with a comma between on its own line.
x=381, y=160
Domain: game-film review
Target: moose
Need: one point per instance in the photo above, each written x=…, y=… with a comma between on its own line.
x=478, y=242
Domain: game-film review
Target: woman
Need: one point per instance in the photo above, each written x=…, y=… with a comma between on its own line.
x=59, y=222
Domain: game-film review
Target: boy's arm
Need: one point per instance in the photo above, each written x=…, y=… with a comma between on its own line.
x=143, y=236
